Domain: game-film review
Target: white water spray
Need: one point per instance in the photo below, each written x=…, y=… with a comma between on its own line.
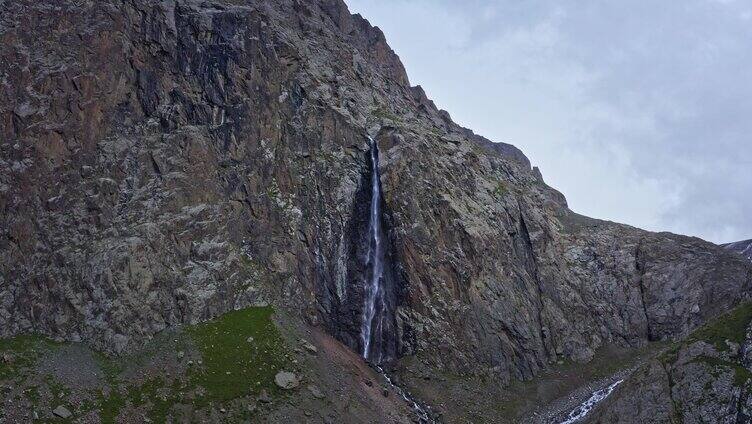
x=581, y=411
x=375, y=310
x=374, y=296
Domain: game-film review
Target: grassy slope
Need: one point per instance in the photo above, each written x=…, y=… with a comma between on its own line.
x=226, y=367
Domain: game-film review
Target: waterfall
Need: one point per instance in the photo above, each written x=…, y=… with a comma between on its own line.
x=377, y=331
x=374, y=310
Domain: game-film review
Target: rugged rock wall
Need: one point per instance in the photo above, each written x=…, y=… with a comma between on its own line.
x=165, y=162
x=503, y=273
x=706, y=379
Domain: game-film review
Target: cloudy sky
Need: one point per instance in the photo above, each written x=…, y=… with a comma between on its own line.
x=638, y=111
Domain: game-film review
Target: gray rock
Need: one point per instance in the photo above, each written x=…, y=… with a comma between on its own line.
x=62, y=412
x=309, y=347
x=692, y=382
x=286, y=380
x=182, y=192
x=315, y=391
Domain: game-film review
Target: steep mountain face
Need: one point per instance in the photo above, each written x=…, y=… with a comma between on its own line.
x=165, y=162
x=743, y=247
x=706, y=378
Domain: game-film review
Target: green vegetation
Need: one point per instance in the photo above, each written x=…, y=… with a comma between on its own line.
x=234, y=367
x=272, y=190
x=741, y=374
x=670, y=355
x=435, y=132
x=731, y=326
x=21, y=352
x=161, y=397
x=494, y=402
x=59, y=391
x=501, y=189
x=240, y=353
x=382, y=112
x=109, y=407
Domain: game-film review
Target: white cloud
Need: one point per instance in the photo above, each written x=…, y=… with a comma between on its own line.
x=638, y=111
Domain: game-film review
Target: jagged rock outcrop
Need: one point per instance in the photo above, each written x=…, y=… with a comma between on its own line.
x=706, y=379
x=164, y=162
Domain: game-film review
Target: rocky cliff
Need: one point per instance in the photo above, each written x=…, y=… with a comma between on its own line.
x=704, y=379
x=165, y=162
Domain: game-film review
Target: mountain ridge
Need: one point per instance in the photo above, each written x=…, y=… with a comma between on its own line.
x=170, y=162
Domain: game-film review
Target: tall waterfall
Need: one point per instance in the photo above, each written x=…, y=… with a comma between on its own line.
x=374, y=310
x=377, y=331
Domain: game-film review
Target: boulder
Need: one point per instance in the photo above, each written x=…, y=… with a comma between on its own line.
x=62, y=412
x=286, y=380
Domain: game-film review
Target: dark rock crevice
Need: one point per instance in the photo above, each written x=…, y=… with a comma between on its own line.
x=344, y=308
x=676, y=406
x=640, y=270
x=524, y=243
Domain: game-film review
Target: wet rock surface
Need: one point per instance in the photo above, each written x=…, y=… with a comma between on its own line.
x=166, y=162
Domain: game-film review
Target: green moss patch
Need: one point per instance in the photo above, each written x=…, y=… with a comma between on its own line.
x=22, y=353
x=242, y=352
x=671, y=354
x=159, y=395
x=109, y=407
x=741, y=374
x=501, y=189
x=731, y=326
x=382, y=112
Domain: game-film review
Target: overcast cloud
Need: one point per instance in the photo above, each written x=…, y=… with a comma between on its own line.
x=639, y=112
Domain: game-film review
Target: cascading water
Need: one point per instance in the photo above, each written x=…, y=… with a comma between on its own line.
x=378, y=310
x=583, y=409
x=374, y=310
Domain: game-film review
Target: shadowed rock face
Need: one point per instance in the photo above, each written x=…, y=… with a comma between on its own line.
x=163, y=163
